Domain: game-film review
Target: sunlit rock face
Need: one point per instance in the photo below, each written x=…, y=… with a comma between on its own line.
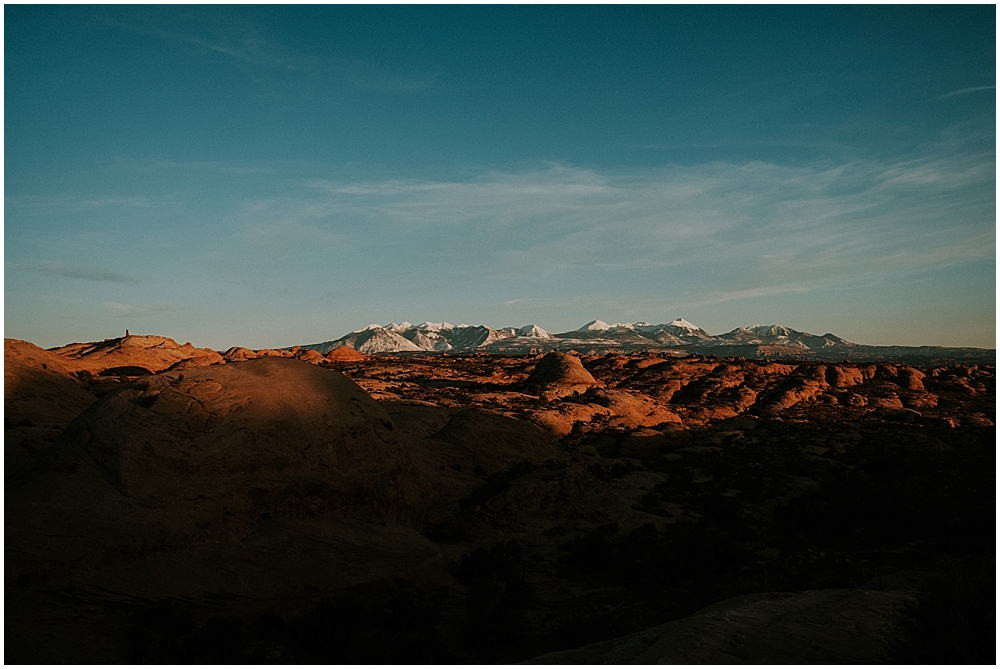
x=38, y=388
x=200, y=431
x=152, y=352
x=345, y=354
x=559, y=374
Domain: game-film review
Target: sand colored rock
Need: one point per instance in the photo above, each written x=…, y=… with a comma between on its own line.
x=238, y=353
x=807, y=383
x=196, y=361
x=310, y=356
x=631, y=410
x=560, y=374
x=202, y=431
x=261, y=487
x=345, y=354
x=496, y=442
x=38, y=388
x=155, y=353
x=888, y=402
x=844, y=376
x=273, y=353
x=911, y=379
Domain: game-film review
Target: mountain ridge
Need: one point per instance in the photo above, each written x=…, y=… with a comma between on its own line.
x=677, y=338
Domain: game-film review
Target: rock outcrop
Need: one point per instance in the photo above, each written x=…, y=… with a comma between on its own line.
x=238, y=354
x=149, y=351
x=218, y=431
x=310, y=356
x=37, y=387
x=345, y=354
x=559, y=374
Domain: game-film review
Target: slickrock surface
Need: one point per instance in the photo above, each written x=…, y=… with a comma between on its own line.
x=238, y=353
x=493, y=509
x=200, y=431
x=310, y=356
x=812, y=627
x=149, y=351
x=38, y=388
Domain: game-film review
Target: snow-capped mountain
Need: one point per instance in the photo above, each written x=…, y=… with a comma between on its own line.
x=532, y=331
x=426, y=337
x=779, y=335
x=678, y=337
x=594, y=326
x=370, y=339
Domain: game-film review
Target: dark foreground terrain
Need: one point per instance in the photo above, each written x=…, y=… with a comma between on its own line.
x=167, y=504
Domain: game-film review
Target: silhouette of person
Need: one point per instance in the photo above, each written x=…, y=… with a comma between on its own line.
x=126, y=333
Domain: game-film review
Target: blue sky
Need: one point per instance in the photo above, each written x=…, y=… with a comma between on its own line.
x=273, y=175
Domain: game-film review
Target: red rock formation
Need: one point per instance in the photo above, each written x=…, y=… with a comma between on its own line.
x=345, y=354
x=560, y=374
x=149, y=351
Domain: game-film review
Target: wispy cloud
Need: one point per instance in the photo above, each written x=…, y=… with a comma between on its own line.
x=964, y=91
x=79, y=203
x=247, y=43
x=367, y=76
x=55, y=268
x=732, y=227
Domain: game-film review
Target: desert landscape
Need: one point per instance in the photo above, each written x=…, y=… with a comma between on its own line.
x=708, y=375
x=173, y=504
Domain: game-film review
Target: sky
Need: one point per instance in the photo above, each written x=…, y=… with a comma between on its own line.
x=266, y=176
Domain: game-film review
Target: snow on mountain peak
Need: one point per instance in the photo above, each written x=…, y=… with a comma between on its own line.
x=593, y=326
x=681, y=323
x=532, y=331
x=428, y=326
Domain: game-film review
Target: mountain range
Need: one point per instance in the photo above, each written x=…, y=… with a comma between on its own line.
x=677, y=338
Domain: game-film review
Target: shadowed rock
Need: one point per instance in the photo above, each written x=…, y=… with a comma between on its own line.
x=38, y=388
x=238, y=354
x=310, y=356
x=813, y=627
x=205, y=430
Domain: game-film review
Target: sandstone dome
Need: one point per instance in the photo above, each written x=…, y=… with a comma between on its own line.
x=310, y=356
x=152, y=352
x=37, y=387
x=558, y=374
x=239, y=353
x=345, y=354
x=208, y=430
